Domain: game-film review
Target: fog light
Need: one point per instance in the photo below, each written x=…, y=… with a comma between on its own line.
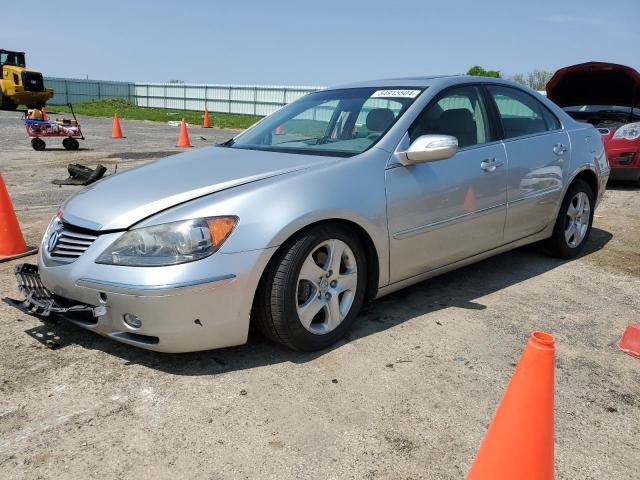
x=131, y=320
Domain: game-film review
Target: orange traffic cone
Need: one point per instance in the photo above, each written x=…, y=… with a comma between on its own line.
x=183, y=139
x=11, y=240
x=630, y=341
x=519, y=441
x=116, y=131
x=207, y=122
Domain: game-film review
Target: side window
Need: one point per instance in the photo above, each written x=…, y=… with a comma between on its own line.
x=459, y=113
x=366, y=124
x=521, y=114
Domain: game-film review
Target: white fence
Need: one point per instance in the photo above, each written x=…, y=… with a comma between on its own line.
x=243, y=99
x=68, y=90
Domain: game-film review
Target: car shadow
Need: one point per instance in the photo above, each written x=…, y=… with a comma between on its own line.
x=62, y=149
x=460, y=288
x=622, y=185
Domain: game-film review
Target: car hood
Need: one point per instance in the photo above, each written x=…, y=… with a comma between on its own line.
x=595, y=83
x=119, y=201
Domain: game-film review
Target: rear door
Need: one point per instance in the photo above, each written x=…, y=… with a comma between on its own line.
x=538, y=151
x=444, y=211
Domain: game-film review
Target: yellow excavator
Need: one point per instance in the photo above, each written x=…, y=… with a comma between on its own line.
x=20, y=85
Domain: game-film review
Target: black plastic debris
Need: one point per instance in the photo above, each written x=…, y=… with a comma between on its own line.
x=81, y=175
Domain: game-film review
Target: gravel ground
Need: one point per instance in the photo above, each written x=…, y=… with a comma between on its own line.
x=407, y=395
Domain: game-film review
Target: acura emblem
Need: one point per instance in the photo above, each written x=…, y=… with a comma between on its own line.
x=53, y=240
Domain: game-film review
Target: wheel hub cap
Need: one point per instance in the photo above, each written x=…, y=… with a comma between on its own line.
x=326, y=287
x=577, y=219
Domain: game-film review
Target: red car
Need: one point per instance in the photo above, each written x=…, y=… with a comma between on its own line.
x=607, y=96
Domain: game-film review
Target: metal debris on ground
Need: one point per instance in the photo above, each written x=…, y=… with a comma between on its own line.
x=81, y=175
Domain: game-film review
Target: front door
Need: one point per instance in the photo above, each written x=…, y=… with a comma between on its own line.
x=444, y=211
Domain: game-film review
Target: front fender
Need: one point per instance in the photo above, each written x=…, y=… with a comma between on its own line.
x=273, y=210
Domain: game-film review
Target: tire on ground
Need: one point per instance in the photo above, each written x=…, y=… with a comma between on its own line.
x=275, y=310
x=557, y=245
x=6, y=103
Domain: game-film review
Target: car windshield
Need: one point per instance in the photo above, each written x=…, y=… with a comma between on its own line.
x=330, y=122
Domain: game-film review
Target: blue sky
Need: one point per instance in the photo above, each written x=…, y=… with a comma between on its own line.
x=316, y=43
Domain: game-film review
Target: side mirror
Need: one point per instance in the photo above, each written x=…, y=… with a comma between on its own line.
x=429, y=148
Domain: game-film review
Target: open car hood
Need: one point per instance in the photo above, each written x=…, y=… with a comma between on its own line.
x=595, y=83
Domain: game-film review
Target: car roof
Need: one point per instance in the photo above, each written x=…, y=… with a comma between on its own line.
x=421, y=81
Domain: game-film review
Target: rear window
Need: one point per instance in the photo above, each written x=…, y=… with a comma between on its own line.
x=521, y=114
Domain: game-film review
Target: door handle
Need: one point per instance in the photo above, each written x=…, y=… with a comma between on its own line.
x=490, y=165
x=559, y=148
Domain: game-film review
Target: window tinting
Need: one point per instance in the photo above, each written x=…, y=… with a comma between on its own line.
x=520, y=113
x=459, y=113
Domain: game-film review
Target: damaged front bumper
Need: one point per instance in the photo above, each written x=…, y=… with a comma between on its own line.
x=41, y=302
x=177, y=309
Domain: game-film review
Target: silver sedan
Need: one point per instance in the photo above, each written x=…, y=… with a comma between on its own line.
x=339, y=198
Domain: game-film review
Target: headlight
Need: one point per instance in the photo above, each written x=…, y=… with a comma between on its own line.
x=54, y=224
x=630, y=131
x=169, y=244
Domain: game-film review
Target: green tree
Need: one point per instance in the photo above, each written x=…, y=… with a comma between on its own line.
x=520, y=78
x=478, y=71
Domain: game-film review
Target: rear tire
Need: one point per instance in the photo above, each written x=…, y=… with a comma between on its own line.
x=6, y=103
x=70, y=143
x=312, y=289
x=573, y=225
x=38, y=144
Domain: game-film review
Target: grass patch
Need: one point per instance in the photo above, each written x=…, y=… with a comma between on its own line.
x=128, y=111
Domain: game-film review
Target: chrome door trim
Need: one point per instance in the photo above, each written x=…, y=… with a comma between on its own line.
x=412, y=232
x=541, y=193
x=395, y=286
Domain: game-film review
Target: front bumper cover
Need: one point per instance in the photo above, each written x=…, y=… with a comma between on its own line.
x=197, y=306
x=628, y=174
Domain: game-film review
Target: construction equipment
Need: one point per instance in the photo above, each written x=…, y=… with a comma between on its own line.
x=20, y=85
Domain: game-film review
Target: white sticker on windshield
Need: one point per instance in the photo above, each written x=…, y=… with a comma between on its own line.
x=396, y=94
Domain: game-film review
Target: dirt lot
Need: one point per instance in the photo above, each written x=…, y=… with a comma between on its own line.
x=407, y=396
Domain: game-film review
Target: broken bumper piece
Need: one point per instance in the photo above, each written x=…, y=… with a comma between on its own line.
x=41, y=302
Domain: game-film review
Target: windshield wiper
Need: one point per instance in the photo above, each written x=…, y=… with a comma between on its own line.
x=228, y=143
x=298, y=140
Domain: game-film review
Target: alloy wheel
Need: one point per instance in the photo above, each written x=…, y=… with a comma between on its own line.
x=577, y=219
x=326, y=286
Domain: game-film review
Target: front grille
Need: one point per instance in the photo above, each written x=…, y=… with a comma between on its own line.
x=604, y=131
x=71, y=244
x=32, y=81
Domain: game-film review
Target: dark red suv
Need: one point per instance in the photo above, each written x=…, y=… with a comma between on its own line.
x=607, y=96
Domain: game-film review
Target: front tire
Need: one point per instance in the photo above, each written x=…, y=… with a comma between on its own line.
x=6, y=103
x=573, y=225
x=313, y=289
x=38, y=144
